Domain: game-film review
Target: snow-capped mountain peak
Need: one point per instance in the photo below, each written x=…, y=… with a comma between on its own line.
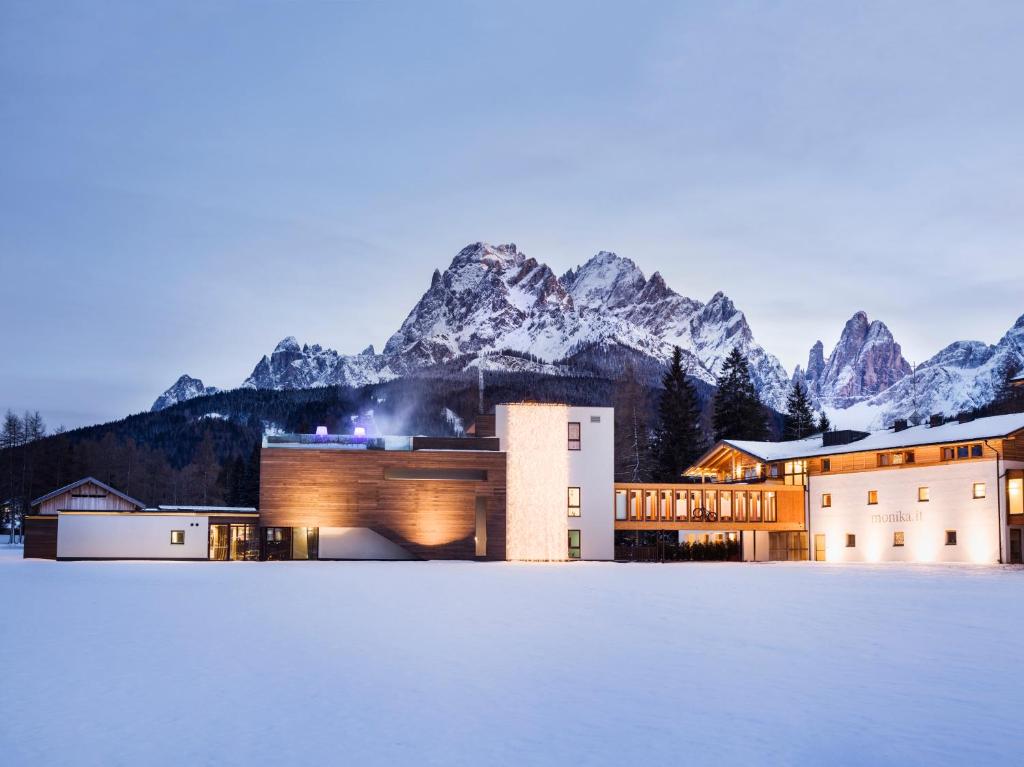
x=185, y=388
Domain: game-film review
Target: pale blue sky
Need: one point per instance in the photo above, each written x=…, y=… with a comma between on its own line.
x=183, y=184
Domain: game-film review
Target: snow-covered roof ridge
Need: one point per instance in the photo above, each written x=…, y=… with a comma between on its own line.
x=978, y=429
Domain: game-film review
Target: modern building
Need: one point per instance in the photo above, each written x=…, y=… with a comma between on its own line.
x=941, y=492
x=89, y=519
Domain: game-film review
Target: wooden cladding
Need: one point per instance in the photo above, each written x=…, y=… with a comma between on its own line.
x=40, y=537
x=922, y=455
x=734, y=506
x=427, y=515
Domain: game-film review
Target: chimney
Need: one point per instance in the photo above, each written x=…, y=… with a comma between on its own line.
x=935, y=420
x=841, y=437
x=899, y=424
x=965, y=417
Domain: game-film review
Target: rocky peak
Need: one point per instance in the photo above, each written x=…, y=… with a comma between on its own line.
x=605, y=281
x=185, y=388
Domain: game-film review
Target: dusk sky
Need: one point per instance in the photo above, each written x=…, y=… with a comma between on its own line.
x=184, y=184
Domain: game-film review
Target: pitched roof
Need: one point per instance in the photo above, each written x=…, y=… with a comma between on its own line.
x=84, y=481
x=978, y=429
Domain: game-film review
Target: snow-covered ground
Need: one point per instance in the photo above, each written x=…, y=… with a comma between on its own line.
x=461, y=663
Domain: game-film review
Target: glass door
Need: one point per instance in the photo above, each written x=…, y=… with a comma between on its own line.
x=218, y=543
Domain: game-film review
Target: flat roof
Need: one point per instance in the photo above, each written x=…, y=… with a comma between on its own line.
x=915, y=436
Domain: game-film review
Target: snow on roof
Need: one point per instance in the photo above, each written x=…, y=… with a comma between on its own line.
x=84, y=481
x=210, y=509
x=981, y=428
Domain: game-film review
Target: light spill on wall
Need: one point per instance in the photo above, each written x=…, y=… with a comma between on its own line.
x=538, y=470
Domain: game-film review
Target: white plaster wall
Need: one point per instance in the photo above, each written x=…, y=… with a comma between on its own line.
x=541, y=469
x=592, y=469
x=950, y=507
x=144, y=535
x=358, y=543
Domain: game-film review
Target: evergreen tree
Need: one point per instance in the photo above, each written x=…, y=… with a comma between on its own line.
x=1009, y=397
x=632, y=428
x=679, y=438
x=799, y=416
x=823, y=423
x=738, y=412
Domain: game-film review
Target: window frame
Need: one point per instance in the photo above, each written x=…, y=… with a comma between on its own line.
x=575, y=443
x=872, y=497
x=575, y=509
x=175, y=533
x=826, y=500
x=951, y=541
x=826, y=465
x=578, y=547
x=851, y=540
x=927, y=493
x=974, y=491
x=899, y=539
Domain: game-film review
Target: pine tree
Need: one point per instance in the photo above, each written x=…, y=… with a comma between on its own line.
x=739, y=413
x=1009, y=396
x=679, y=438
x=823, y=423
x=799, y=416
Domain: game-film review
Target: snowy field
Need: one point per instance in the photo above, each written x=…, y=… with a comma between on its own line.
x=133, y=663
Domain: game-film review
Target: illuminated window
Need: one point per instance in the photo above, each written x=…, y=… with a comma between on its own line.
x=851, y=540
x=795, y=472
x=951, y=537
x=895, y=459
x=574, y=501
x=897, y=538
x=725, y=506
x=574, y=544
x=922, y=494
x=649, y=499
x=574, y=435
x=826, y=500
x=872, y=497
x=178, y=537
x=947, y=454
x=681, y=504
x=979, y=490
x=740, y=506
x=634, y=504
x=754, y=509
x=771, y=508
x=620, y=504
x=666, y=504
x=826, y=464
x=1015, y=492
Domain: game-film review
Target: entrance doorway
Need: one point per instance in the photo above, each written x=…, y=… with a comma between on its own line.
x=819, y=547
x=1016, y=545
x=233, y=542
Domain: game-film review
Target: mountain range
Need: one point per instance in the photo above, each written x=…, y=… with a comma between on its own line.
x=498, y=309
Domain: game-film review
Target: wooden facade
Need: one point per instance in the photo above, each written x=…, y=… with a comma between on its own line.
x=768, y=506
x=422, y=500
x=40, y=537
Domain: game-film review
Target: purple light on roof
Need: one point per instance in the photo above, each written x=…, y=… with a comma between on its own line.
x=321, y=431
x=359, y=431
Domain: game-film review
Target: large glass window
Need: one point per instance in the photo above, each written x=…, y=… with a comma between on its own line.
x=620, y=505
x=305, y=542
x=711, y=503
x=725, y=505
x=277, y=543
x=634, y=504
x=739, y=505
x=574, y=544
x=650, y=498
x=796, y=472
x=1015, y=495
x=681, y=510
x=245, y=544
x=771, y=508
x=666, y=504
x=696, y=503
x=754, y=511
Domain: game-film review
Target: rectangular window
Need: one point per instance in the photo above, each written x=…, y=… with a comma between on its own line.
x=620, y=505
x=909, y=456
x=771, y=508
x=826, y=464
x=1015, y=495
x=897, y=538
x=178, y=537
x=710, y=504
x=725, y=506
x=961, y=451
x=795, y=472
x=872, y=497
x=574, y=501
x=882, y=459
x=740, y=506
x=979, y=490
x=922, y=495
x=574, y=435
x=826, y=500
x=666, y=504
x=754, y=510
x=951, y=537
x=851, y=540
x=681, y=505
x=975, y=451
x=634, y=504
x=649, y=505
x=595, y=419
x=574, y=544
x=947, y=454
